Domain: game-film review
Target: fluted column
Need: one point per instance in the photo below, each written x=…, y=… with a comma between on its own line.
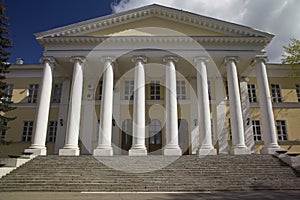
x=138, y=140
x=72, y=135
x=171, y=147
x=38, y=146
x=104, y=147
x=236, y=117
x=206, y=147
x=267, y=116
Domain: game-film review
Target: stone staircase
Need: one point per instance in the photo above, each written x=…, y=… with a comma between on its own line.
x=152, y=173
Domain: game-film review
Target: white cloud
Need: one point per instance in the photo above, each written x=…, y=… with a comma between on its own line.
x=279, y=17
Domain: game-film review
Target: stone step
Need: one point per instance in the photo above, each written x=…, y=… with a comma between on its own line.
x=187, y=173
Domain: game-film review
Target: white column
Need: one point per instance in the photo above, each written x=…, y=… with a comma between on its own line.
x=41, y=124
x=138, y=140
x=104, y=147
x=171, y=147
x=72, y=135
x=205, y=147
x=236, y=117
x=62, y=116
x=267, y=116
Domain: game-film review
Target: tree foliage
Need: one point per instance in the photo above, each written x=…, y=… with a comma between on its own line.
x=292, y=53
x=5, y=96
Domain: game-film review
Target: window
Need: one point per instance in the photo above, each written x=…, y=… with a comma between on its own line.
x=276, y=93
x=154, y=90
x=227, y=91
x=52, y=128
x=27, y=131
x=32, y=93
x=229, y=129
x=256, y=130
x=281, y=130
x=127, y=132
x=252, y=93
x=212, y=129
x=155, y=132
x=100, y=90
x=129, y=89
x=3, y=132
x=298, y=91
x=181, y=90
x=209, y=89
x=9, y=91
x=56, y=93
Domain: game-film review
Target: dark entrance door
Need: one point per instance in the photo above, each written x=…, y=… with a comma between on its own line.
x=183, y=136
x=126, y=136
x=155, y=137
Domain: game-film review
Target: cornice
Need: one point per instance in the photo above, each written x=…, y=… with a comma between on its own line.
x=157, y=11
x=159, y=39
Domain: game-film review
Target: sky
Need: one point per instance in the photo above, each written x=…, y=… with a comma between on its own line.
x=26, y=17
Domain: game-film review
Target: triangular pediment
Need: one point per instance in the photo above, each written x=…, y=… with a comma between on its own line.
x=164, y=21
x=153, y=26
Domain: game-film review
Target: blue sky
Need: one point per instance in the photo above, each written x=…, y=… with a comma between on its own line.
x=27, y=17
x=279, y=17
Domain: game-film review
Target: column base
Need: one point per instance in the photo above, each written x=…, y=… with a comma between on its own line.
x=206, y=152
x=37, y=151
x=68, y=152
x=103, y=152
x=270, y=150
x=172, y=152
x=240, y=151
x=137, y=152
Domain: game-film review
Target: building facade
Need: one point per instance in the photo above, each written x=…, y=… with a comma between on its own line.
x=153, y=80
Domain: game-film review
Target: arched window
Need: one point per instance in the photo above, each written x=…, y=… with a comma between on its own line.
x=155, y=132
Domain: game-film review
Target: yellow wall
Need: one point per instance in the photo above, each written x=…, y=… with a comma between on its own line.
x=282, y=111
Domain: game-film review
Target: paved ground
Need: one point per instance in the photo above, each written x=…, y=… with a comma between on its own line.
x=266, y=195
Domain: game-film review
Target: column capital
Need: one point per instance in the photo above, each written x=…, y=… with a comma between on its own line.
x=259, y=58
x=235, y=59
x=108, y=58
x=134, y=59
x=80, y=59
x=170, y=58
x=201, y=58
x=49, y=59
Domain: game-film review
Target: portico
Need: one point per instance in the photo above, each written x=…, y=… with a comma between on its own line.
x=150, y=63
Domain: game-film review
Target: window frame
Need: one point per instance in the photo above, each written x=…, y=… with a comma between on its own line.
x=56, y=93
x=52, y=131
x=100, y=90
x=181, y=89
x=257, y=136
x=27, y=131
x=252, y=93
x=209, y=87
x=281, y=129
x=155, y=90
x=155, y=132
x=276, y=93
x=128, y=89
x=33, y=90
x=3, y=132
x=298, y=91
x=9, y=91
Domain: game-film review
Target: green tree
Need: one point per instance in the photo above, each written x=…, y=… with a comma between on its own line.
x=292, y=53
x=5, y=97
